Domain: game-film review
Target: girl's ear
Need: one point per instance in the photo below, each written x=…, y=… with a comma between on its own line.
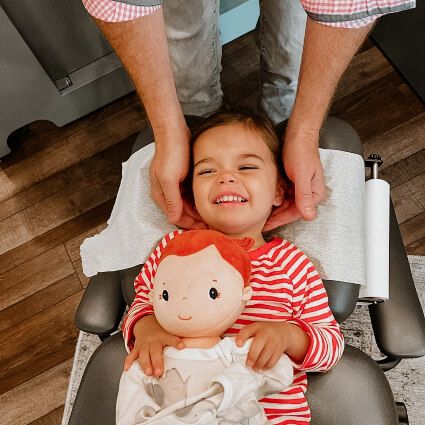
x=280, y=192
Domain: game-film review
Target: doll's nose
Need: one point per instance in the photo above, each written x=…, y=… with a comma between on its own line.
x=184, y=299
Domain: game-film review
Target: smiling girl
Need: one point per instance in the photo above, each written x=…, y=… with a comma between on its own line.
x=236, y=183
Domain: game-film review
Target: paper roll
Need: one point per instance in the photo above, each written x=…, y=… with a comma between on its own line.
x=377, y=225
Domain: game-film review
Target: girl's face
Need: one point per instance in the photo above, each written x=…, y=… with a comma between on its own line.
x=235, y=180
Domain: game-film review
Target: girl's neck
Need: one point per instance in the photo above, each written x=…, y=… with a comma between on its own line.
x=258, y=238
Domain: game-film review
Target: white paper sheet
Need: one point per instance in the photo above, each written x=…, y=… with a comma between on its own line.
x=334, y=240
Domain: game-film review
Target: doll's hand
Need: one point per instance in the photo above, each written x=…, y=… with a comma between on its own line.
x=150, y=340
x=271, y=340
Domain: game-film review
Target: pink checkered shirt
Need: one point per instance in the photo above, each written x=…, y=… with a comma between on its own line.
x=335, y=13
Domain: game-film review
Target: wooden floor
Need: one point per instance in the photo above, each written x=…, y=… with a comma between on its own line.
x=58, y=188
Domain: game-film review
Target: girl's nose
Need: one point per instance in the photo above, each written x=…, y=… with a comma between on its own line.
x=226, y=177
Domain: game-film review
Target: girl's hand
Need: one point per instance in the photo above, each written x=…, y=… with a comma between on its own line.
x=150, y=340
x=271, y=340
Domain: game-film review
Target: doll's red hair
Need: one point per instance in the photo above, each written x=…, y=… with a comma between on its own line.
x=193, y=241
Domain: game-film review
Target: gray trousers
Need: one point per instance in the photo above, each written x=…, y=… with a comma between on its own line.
x=195, y=50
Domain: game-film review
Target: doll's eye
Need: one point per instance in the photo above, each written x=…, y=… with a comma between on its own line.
x=213, y=293
x=165, y=295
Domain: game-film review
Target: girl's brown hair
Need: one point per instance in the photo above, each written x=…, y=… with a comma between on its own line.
x=255, y=121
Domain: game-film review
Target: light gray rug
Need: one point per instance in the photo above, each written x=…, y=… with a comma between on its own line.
x=407, y=379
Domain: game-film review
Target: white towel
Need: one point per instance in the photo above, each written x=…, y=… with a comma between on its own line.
x=334, y=240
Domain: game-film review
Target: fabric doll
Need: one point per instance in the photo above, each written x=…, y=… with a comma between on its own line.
x=200, y=288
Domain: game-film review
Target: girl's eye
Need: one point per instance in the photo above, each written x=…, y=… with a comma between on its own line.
x=164, y=295
x=248, y=167
x=205, y=172
x=213, y=293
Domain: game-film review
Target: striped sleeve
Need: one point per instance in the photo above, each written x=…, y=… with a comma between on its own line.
x=120, y=11
x=311, y=312
x=352, y=14
x=143, y=285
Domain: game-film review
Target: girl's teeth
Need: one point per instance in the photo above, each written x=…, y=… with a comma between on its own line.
x=230, y=198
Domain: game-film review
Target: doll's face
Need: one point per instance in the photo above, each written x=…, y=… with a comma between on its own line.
x=199, y=294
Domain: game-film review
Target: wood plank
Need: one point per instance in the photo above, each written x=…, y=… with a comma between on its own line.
x=43, y=134
x=399, y=142
x=34, y=275
x=365, y=68
x=69, y=151
x=6, y=262
x=62, y=233
x=39, y=301
x=111, y=158
x=99, y=186
x=409, y=198
x=375, y=108
x=413, y=230
x=403, y=170
x=37, y=397
x=73, y=248
x=413, y=99
x=39, y=343
x=417, y=248
x=242, y=63
x=52, y=418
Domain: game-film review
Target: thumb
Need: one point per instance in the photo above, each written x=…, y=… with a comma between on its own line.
x=304, y=198
x=173, y=201
x=175, y=342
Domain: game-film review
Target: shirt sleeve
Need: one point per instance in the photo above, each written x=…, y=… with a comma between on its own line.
x=352, y=14
x=120, y=11
x=143, y=285
x=311, y=313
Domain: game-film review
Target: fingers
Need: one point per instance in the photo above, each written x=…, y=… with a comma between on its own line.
x=273, y=360
x=167, y=195
x=282, y=215
x=260, y=353
x=130, y=359
x=157, y=359
x=190, y=219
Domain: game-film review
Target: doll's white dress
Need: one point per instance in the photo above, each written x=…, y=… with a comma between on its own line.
x=201, y=386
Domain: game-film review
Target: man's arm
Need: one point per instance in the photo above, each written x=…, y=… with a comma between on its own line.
x=327, y=53
x=141, y=45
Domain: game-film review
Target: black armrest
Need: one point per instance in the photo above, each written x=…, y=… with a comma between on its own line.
x=399, y=323
x=342, y=298
x=102, y=306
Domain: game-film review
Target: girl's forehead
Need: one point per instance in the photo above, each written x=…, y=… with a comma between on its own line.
x=236, y=136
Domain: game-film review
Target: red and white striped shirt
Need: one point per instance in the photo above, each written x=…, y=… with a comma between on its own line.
x=286, y=287
x=335, y=13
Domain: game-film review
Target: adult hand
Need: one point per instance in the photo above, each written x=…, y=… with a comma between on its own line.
x=303, y=167
x=168, y=169
x=150, y=340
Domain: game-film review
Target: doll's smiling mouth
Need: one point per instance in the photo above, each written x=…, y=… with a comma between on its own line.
x=184, y=318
